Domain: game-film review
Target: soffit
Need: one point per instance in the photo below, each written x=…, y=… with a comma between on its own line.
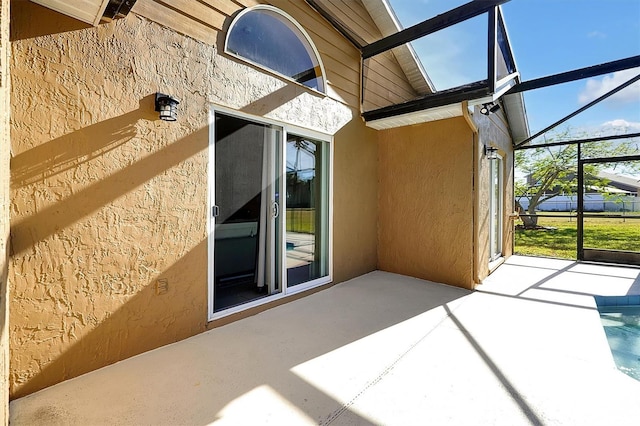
x=388, y=23
x=417, y=117
x=516, y=112
x=89, y=11
x=371, y=20
x=512, y=105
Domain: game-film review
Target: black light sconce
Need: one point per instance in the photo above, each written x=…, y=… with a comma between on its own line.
x=489, y=108
x=167, y=106
x=491, y=152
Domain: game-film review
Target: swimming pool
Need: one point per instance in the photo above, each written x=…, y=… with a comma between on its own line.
x=622, y=327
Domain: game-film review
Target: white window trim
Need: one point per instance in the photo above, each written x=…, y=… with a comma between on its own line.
x=499, y=204
x=270, y=70
x=286, y=292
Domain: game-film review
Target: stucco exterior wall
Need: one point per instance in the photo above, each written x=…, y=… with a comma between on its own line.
x=106, y=199
x=4, y=209
x=493, y=131
x=355, y=200
x=426, y=201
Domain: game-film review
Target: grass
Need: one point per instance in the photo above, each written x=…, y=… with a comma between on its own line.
x=561, y=242
x=301, y=220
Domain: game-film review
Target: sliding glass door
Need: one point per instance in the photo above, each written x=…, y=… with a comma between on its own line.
x=495, y=209
x=245, y=210
x=307, y=210
x=270, y=212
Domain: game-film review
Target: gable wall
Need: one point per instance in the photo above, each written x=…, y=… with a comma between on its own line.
x=386, y=83
x=106, y=199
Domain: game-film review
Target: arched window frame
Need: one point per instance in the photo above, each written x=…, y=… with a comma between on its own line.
x=288, y=20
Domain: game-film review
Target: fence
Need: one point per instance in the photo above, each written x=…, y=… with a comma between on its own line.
x=592, y=203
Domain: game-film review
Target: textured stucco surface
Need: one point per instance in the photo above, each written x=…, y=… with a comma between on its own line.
x=493, y=131
x=4, y=209
x=355, y=199
x=426, y=201
x=107, y=199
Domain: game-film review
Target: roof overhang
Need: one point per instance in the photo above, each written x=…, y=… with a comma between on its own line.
x=417, y=117
x=387, y=22
x=450, y=103
x=512, y=105
x=438, y=106
x=90, y=11
x=516, y=112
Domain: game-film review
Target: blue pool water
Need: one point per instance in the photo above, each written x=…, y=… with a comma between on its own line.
x=622, y=327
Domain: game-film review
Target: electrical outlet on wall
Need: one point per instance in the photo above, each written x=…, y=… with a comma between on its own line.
x=162, y=286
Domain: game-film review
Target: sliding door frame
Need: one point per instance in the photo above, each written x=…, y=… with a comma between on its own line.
x=280, y=248
x=496, y=209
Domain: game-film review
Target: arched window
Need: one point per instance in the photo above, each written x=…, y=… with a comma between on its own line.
x=268, y=37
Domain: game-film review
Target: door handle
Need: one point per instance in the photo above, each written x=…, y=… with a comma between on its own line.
x=275, y=209
x=215, y=211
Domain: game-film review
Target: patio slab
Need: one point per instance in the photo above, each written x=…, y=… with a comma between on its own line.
x=526, y=348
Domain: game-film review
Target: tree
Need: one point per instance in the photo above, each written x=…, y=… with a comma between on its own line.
x=552, y=171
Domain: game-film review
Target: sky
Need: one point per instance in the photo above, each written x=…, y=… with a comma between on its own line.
x=547, y=37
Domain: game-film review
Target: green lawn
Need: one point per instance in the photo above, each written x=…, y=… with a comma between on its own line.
x=613, y=234
x=301, y=220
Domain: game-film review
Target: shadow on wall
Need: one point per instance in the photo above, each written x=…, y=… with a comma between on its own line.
x=272, y=101
x=73, y=149
x=53, y=22
x=106, y=324
x=30, y=167
x=145, y=321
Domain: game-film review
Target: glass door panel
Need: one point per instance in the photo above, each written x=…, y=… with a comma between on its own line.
x=246, y=210
x=495, y=209
x=307, y=216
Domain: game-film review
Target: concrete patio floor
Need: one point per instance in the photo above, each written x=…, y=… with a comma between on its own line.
x=526, y=348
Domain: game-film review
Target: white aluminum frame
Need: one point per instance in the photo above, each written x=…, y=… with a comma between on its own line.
x=498, y=204
x=281, y=268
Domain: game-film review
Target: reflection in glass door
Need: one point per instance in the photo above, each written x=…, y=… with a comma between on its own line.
x=246, y=211
x=495, y=208
x=307, y=236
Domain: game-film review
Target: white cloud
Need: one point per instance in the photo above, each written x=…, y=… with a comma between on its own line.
x=597, y=34
x=596, y=87
x=621, y=123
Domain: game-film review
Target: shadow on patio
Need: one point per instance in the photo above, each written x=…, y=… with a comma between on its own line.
x=527, y=348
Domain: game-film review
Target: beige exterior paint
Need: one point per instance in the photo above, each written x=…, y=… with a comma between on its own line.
x=426, y=201
x=4, y=209
x=493, y=132
x=434, y=198
x=106, y=199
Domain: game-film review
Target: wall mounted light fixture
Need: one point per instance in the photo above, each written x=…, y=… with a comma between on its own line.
x=167, y=106
x=489, y=108
x=491, y=152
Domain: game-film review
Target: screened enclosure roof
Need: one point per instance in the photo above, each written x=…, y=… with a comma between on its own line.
x=563, y=53
x=431, y=104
